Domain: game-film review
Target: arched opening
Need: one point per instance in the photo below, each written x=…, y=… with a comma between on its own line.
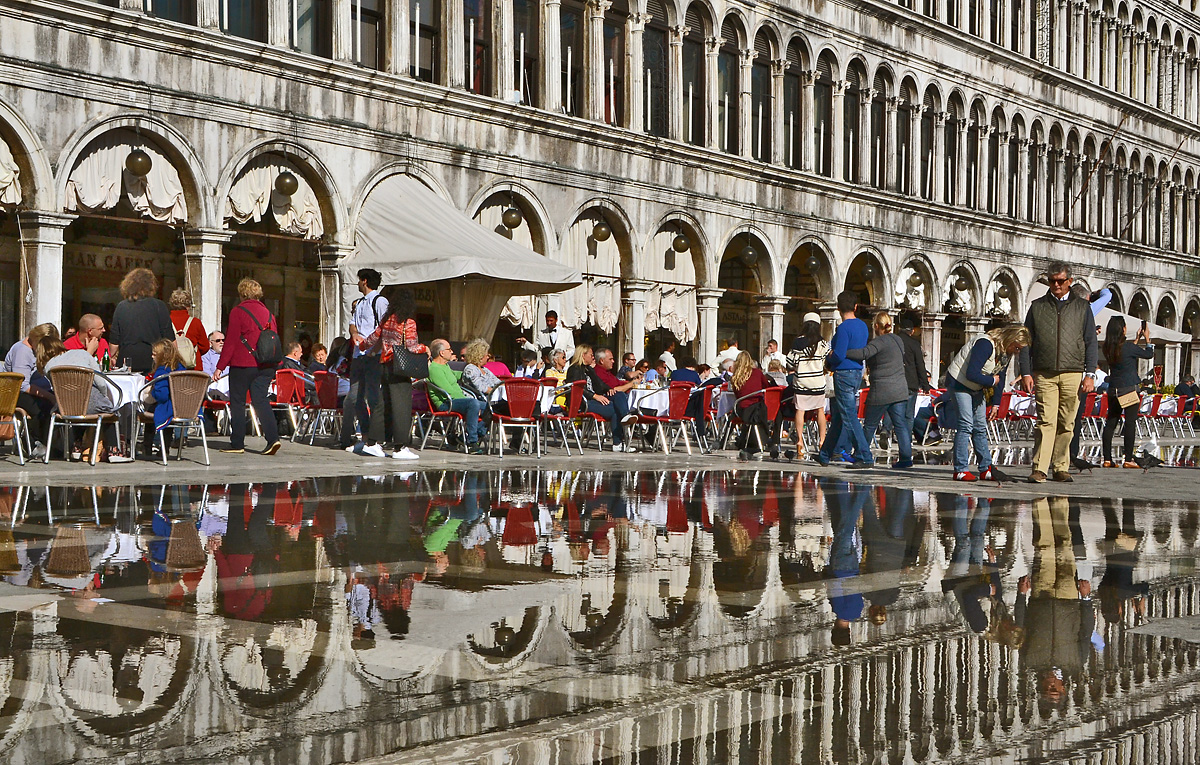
x=1139, y=306
x=929, y=112
x=906, y=142
x=1001, y=300
x=809, y=276
x=14, y=174
x=674, y=265
x=125, y=220
x=852, y=133
x=955, y=149
x=866, y=278
x=823, y=115
x=960, y=301
x=597, y=245
x=729, y=88
x=915, y=285
x=512, y=217
x=741, y=276
x=1190, y=326
x=572, y=20
x=695, y=110
x=794, y=119
x=1166, y=315
x=878, y=140
x=275, y=241
x=615, y=20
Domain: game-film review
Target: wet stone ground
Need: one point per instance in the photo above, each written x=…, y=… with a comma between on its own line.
x=711, y=615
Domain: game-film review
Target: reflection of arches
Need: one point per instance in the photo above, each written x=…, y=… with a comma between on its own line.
x=264, y=688
x=506, y=642
x=600, y=628
x=679, y=612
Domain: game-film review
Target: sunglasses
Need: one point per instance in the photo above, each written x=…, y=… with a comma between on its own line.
x=1060, y=281
x=219, y=340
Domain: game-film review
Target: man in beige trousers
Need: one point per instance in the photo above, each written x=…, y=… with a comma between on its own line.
x=1057, y=367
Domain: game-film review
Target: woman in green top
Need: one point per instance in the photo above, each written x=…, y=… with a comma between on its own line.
x=448, y=396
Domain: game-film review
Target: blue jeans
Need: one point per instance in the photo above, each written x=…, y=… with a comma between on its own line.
x=845, y=418
x=469, y=408
x=900, y=421
x=972, y=430
x=614, y=411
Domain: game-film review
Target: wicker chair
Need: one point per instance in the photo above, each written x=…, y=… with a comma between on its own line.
x=10, y=413
x=72, y=387
x=188, y=391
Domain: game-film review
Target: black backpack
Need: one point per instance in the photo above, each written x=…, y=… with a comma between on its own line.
x=268, y=351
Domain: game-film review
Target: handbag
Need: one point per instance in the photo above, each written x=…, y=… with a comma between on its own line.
x=1129, y=398
x=405, y=363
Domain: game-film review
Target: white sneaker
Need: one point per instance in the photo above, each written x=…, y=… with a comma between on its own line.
x=629, y=418
x=618, y=447
x=352, y=448
x=119, y=458
x=405, y=454
x=374, y=450
x=629, y=448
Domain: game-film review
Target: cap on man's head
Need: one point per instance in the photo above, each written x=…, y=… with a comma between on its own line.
x=811, y=316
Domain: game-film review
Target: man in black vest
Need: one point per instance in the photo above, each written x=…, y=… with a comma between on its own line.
x=1058, y=366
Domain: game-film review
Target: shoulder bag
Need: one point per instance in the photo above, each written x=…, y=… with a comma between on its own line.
x=405, y=363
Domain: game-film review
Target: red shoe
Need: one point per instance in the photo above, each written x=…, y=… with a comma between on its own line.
x=987, y=475
x=965, y=475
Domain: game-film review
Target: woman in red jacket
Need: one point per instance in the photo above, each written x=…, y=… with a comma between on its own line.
x=181, y=314
x=748, y=383
x=245, y=374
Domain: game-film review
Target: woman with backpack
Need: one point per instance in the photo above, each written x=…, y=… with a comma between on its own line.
x=191, y=339
x=252, y=352
x=806, y=362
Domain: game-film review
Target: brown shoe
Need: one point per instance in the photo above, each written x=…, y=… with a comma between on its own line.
x=1063, y=476
x=1131, y=465
x=1037, y=476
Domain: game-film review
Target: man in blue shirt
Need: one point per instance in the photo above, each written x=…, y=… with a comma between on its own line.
x=847, y=376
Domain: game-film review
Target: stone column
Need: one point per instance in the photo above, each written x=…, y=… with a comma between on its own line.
x=1060, y=189
x=937, y=163
x=551, y=56
x=279, y=26
x=829, y=318
x=974, y=325
x=677, y=98
x=1077, y=63
x=1022, y=188
x=807, y=137
x=712, y=47
x=1040, y=183
x=204, y=267
x=1177, y=228
x=595, y=67
x=331, y=324
x=914, y=154
x=1111, y=64
x=779, y=134
x=1003, y=173
x=960, y=170
x=1129, y=59
x=1138, y=202
x=1137, y=76
x=746, y=115
x=1098, y=39
x=865, y=99
x=453, y=39
x=41, y=280
x=635, y=76
x=706, y=307
x=343, y=36
x=1180, y=90
x=931, y=342
x=837, y=127
x=1191, y=96
x=770, y=321
x=208, y=14
x=981, y=167
x=891, y=111
x=504, y=52
x=1060, y=35
x=1153, y=74
x=633, y=317
x=398, y=56
x=1004, y=24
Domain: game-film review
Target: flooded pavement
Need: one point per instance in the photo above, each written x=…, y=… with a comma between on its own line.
x=574, y=617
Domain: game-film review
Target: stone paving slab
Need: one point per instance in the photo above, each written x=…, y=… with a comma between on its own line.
x=298, y=461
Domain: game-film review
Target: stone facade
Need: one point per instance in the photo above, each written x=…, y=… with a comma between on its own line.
x=932, y=157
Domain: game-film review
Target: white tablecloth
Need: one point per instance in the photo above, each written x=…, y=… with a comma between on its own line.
x=546, y=396
x=130, y=384
x=657, y=400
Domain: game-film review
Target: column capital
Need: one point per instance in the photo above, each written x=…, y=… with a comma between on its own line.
x=772, y=302
x=208, y=235
x=747, y=56
x=708, y=296
x=1155, y=43
x=892, y=103
x=713, y=44
x=867, y=95
x=1023, y=144
x=1097, y=15
x=634, y=290
x=940, y=118
x=45, y=219
x=808, y=77
x=984, y=130
x=932, y=318
x=1041, y=148
x=1004, y=136
x=638, y=21
x=779, y=66
x=679, y=32
x=333, y=252
x=598, y=7
x=840, y=87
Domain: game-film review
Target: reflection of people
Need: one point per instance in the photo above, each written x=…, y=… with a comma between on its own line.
x=845, y=503
x=246, y=557
x=1118, y=590
x=891, y=539
x=972, y=575
x=1054, y=607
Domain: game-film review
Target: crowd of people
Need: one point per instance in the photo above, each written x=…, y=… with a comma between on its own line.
x=1057, y=351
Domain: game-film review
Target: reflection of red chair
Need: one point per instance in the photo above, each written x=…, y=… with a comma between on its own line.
x=519, y=528
x=678, y=396
x=522, y=395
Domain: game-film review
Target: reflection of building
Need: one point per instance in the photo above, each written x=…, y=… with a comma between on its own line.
x=712, y=170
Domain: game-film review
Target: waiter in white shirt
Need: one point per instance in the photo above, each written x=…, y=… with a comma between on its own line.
x=552, y=338
x=772, y=354
x=365, y=371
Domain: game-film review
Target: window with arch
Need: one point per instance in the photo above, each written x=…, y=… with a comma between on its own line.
x=656, y=54
x=851, y=124
x=878, y=138
x=426, y=19
x=694, y=101
x=614, y=63
x=761, y=101
x=728, y=89
x=823, y=116
x=954, y=150
x=928, y=125
x=526, y=30
x=793, y=119
x=992, y=189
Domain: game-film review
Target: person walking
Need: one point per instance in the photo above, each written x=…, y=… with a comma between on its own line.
x=138, y=321
x=806, y=361
x=247, y=321
x=1059, y=365
x=974, y=371
x=396, y=330
x=847, y=376
x=366, y=374
x=889, y=387
x=1122, y=357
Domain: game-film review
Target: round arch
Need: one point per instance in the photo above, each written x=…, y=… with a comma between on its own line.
x=37, y=177
x=867, y=275
x=1002, y=296
x=916, y=285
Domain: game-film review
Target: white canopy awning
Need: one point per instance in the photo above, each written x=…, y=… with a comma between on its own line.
x=1158, y=333
x=411, y=235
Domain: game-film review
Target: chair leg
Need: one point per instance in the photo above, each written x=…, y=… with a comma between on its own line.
x=162, y=446
x=203, y=441
x=94, y=457
x=49, y=439
x=17, y=439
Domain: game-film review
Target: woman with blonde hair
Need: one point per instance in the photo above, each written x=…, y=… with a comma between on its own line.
x=972, y=376
x=138, y=321
x=188, y=327
x=884, y=357
x=247, y=321
x=748, y=383
x=482, y=379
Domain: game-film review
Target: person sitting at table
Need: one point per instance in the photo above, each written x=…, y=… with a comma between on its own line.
x=530, y=366
x=477, y=373
x=50, y=355
x=599, y=397
x=557, y=370
x=319, y=355
x=34, y=398
x=748, y=383
x=208, y=362
x=139, y=320
x=89, y=337
x=686, y=372
x=157, y=400
x=776, y=373
x=448, y=396
x=293, y=360
x=657, y=374
x=497, y=367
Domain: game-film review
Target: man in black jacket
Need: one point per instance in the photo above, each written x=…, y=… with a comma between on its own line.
x=914, y=362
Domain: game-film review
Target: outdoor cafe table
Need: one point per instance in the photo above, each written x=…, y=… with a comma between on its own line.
x=130, y=384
